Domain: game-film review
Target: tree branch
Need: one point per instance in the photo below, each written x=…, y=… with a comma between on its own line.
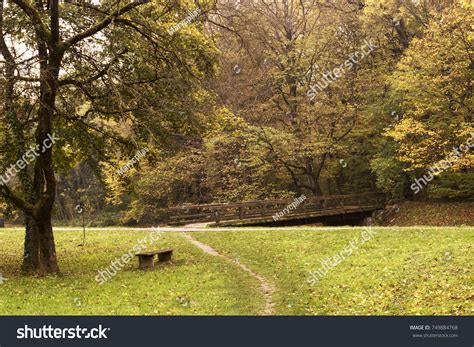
x=15, y=199
x=41, y=30
x=101, y=25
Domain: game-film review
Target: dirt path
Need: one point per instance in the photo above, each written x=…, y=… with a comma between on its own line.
x=266, y=288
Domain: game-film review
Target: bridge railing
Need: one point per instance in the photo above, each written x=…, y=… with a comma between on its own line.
x=187, y=214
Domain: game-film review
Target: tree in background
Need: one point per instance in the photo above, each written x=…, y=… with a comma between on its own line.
x=272, y=52
x=287, y=48
x=431, y=88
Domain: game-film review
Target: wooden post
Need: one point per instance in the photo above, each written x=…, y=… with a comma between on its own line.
x=163, y=257
x=241, y=213
x=217, y=217
x=145, y=262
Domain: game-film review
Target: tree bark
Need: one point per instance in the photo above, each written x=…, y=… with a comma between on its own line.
x=31, y=246
x=48, y=262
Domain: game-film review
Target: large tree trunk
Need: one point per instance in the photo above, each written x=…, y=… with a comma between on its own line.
x=31, y=247
x=48, y=262
x=44, y=181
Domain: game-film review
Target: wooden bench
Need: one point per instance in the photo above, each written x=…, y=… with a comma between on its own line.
x=145, y=259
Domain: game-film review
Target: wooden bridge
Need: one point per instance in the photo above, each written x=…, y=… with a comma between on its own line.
x=329, y=210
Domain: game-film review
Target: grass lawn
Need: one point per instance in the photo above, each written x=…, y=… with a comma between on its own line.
x=400, y=271
x=195, y=283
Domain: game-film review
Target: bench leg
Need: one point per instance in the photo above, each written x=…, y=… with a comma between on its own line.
x=145, y=262
x=164, y=257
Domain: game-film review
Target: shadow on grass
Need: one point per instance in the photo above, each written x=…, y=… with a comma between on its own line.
x=175, y=263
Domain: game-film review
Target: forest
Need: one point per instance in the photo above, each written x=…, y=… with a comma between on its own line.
x=153, y=104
